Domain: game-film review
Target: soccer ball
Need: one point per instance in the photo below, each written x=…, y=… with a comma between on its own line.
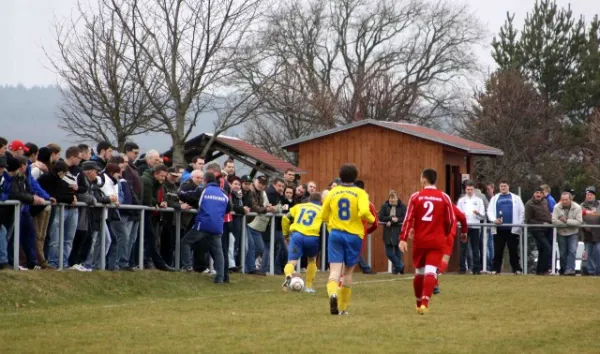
x=296, y=284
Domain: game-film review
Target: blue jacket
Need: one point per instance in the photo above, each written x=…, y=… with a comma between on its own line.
x=35, y=186
x=213, y=206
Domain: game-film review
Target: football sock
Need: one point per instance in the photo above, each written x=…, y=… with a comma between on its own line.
x=345, y=293
x=311, y=273
x=332, y=287
x=418, y=287
x=428, y=285
x=288, y=270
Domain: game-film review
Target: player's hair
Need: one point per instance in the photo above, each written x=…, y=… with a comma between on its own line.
x=54, y=148
x=392, y=193
x=229, y=160
x=213, y=167
x=348, y=173
x=503, y=181
x=103, y=145
x=159, y=168
x=469, y=183
x=72, y=151
x=116, y=159
x=3, y=142
x=289, y=170
x=60, y=166
x=315, y=197
x=33, y=149
x=196, y=158
x=210, y=177
x=112, y=168
x=430, y=175
x=278, y=180
x=83, y=147
x=545, y=187
x=359, y=183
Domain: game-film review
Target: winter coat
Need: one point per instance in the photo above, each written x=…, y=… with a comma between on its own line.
x=260, y=201
x=574, y=218
x=391, y=233
x=518, y=213
x=591, y=234
x=214, y=204
x=150, y=189
x=536, y=213
x=57, y=188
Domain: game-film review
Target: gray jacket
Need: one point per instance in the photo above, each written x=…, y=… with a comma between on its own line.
x=574, y=218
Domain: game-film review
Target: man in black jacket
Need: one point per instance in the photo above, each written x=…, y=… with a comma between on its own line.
x=239, y=209
x=55, y=185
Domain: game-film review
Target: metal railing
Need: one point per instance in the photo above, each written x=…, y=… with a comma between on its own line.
x=244, y=236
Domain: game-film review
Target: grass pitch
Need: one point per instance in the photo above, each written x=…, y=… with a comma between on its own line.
x=155, y=312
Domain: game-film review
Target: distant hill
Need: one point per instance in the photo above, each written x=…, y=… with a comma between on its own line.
x=29, y=114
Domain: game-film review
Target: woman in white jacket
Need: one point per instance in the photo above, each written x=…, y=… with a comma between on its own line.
x=506, y=208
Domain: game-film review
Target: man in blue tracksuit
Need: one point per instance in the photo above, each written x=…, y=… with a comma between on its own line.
x=208, y=224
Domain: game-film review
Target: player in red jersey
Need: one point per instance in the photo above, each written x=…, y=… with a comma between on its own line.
x=431, y=215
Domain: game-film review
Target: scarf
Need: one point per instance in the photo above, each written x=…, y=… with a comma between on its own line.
x=392, y=210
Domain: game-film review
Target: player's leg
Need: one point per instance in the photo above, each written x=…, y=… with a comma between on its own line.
x=335, y=254
x=432, y=262
x=311, y=249
x=418, y=256
x=353, y=248
x=294, y=254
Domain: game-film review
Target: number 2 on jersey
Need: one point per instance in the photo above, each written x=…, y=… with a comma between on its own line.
x=310, y=217
x=429, y=213
x=344, y=209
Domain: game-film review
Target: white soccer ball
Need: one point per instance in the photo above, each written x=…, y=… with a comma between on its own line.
x=296, y=284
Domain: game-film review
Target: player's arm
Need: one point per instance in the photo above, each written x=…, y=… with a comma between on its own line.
x=364, y=208
x=450, y=217
x=376, y=222
x=409, y=219
x=326, y=209
x=287, y=221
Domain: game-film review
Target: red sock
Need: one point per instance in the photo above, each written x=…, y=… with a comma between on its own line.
x=418, y=286
x=428, y=285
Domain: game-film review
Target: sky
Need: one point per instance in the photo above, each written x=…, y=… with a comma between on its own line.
x=25, y=28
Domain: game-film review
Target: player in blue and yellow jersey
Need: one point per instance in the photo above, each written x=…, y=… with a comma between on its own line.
x=344, y=209
x=304, y=223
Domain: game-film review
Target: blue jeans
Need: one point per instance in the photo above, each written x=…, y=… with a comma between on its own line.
x=121, y=249
x=395, y=256
x=3, y=245
x=279, y=245
x=567, y=245
x=593, y=257
x=93, y=259
x=256, y=246
x=70, y=227
x=469, y=252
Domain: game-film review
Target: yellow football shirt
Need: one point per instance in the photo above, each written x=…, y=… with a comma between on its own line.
x=345, y=208
x=304, y=218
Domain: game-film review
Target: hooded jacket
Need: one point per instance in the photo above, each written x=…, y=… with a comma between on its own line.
x=212, y=207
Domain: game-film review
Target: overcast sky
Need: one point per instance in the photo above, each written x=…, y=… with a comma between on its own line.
x=25, y=25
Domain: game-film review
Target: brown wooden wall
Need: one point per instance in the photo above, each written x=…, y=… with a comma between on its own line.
x=386, y=160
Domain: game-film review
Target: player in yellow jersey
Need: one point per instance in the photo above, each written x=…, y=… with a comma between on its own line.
x=304, y=223
x=344, y=209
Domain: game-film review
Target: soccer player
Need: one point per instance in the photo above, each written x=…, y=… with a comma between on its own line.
x=344, y=209
x=304, y=223
x=431, y=214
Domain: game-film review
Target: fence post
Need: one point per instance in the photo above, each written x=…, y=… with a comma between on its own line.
x=61, y=236
x=272, y=250
x=142, y=230
x=554, y=250
x=525, y=251
x=484, y=260
x=103, y=227
x=177, y=238
x=369, y=254
x=323, y=247
x=244, y=244
x=16, y=236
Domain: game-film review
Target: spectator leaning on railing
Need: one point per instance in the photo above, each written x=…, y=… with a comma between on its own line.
x=591, y=236
x=567, y=215
x=536, y=213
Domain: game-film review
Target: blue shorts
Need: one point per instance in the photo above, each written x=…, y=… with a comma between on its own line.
x=343, y=247
x=302, y=245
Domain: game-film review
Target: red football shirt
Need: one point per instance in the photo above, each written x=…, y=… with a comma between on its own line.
x=431, y=214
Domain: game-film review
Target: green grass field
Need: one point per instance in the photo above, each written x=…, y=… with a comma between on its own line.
x=155, y=312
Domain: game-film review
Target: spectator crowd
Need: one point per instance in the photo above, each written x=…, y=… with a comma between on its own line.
x=42, y=177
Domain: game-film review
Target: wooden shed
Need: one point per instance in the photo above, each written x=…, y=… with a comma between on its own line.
x=389, y=156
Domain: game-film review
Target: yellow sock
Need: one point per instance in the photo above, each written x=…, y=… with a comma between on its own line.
x=289, y=269
x=332, y=287
x=345, y=293
x=311, y=273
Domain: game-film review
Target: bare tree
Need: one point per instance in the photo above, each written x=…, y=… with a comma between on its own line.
x=189, y=48
x=358, y=59
x=101, y=99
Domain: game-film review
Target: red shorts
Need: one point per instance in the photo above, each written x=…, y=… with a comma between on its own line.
x=427, y=256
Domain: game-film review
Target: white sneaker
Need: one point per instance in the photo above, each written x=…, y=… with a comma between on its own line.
x=309, y=290
x=79, y=268
x=37, y=268
x=23, y=268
